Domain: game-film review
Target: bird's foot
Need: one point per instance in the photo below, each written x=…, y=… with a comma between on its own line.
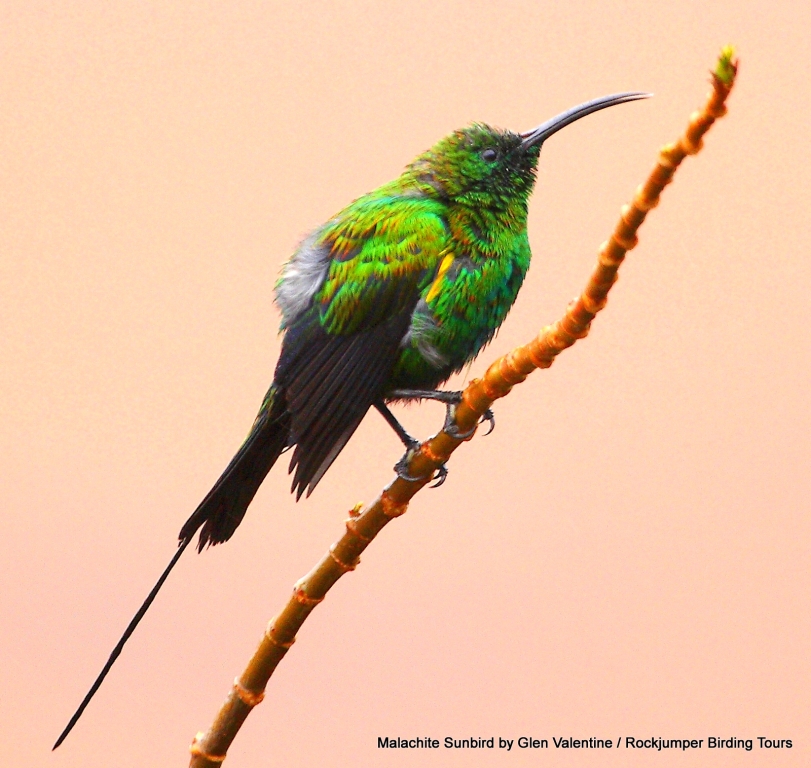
x=441, y=476
x=451, y=400
x=451, y=429
x=401, y=467
x=412, y=446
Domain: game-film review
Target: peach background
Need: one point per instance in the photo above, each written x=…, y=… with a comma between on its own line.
x=627, y=553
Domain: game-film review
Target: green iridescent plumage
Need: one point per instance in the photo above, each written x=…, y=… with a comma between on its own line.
x=386, y=301
x=388, y=247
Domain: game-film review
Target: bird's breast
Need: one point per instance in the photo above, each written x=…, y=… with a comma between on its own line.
x=458, y=314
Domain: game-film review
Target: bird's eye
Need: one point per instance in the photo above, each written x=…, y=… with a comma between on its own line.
x=488, y=155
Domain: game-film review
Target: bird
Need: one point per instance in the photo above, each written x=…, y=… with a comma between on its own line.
x=383, y=303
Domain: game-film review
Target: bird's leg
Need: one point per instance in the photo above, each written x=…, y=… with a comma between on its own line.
x=411, y=444
x=451, y=400
x=409, y=441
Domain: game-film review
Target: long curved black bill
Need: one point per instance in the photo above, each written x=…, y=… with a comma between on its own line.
x=538, y=135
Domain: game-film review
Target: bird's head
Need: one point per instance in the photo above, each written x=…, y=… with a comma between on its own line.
x=488, y=168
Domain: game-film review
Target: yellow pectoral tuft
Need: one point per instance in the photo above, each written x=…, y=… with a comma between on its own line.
x=443, y=268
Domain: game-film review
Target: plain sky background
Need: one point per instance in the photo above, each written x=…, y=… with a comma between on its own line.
x=628, y=552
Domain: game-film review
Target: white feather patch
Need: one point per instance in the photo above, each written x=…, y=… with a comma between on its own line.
x=301, y=278
x=423, y=327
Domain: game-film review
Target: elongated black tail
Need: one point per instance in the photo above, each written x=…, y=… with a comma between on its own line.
x=222, y=510
x=120, y=645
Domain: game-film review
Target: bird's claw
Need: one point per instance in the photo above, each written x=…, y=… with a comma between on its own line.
x=490, y=418
x=441, y=476
x=451, y=429
x=401, y=468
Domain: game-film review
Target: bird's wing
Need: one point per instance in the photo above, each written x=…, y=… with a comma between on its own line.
x=340, y=351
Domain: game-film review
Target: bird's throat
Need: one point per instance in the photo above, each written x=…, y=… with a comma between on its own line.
x=486, y=232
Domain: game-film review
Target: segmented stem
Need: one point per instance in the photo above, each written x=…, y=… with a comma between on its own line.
x=209, y=749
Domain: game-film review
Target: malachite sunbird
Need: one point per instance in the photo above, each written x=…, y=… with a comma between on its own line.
x=384, y=302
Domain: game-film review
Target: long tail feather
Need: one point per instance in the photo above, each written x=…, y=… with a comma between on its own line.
x=222, y=510
x=120, y=645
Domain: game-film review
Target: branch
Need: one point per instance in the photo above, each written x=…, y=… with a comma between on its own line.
x=208, y=749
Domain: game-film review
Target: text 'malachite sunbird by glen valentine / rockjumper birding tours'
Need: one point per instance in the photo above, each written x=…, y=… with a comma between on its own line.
x=384, y=303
